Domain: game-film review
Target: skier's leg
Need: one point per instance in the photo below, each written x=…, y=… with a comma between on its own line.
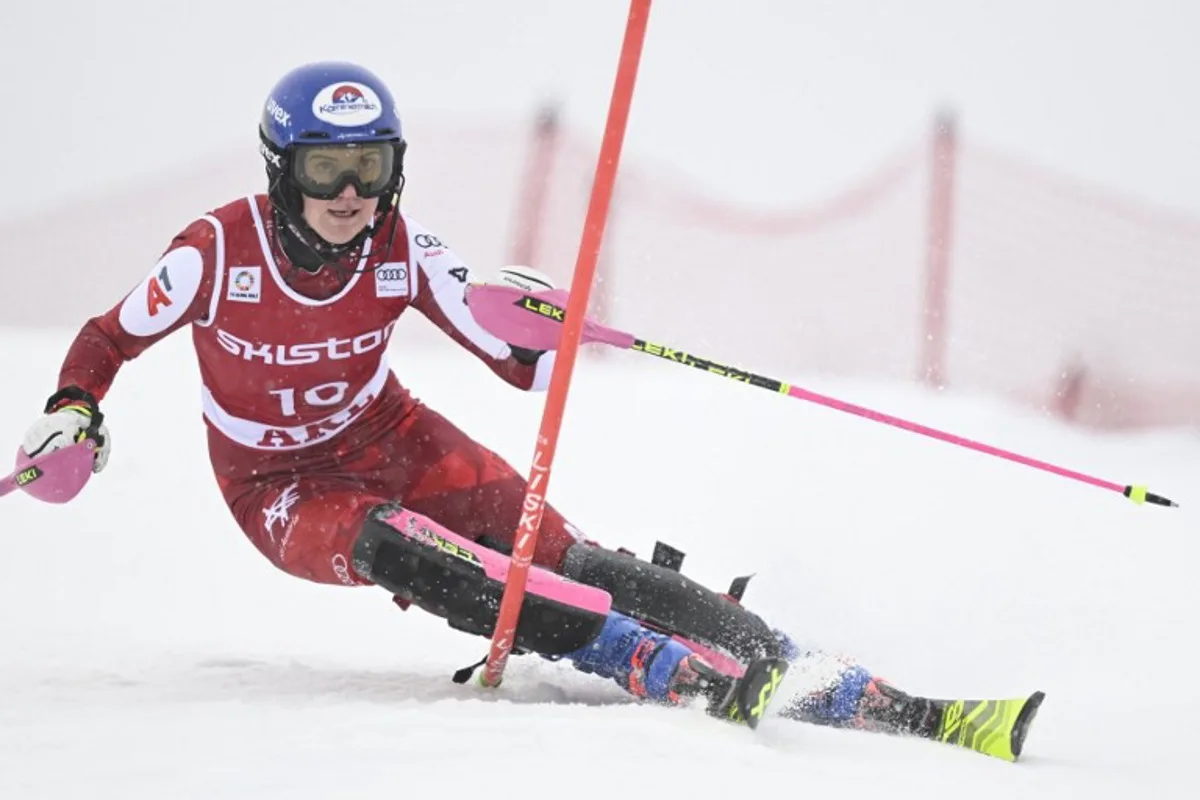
x=321, y=527
x=422, y=460
x=309, y=526
x=673, y=602
x=438, y=470
x=305, y=525
x=430, y=566
x=707, y=619
x=851, y=696
x=326, y=529
x=650, y=665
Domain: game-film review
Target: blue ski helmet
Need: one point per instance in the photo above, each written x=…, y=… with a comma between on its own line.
x=335, y=108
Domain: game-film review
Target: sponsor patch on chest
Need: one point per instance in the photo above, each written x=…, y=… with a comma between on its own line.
x=245, y=285
x=391, y=279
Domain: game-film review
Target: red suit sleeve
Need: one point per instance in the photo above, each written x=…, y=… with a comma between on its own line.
x=441, y=281
x=177, y=292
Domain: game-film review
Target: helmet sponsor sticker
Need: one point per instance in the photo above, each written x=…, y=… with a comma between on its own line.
x=347, y=104
x=278, y=113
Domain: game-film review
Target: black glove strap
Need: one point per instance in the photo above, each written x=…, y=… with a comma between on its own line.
x=525, y=356
x=77, y=395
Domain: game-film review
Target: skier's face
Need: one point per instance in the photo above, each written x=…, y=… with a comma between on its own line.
x=339, y=220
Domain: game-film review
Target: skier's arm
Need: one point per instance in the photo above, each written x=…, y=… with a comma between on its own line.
x=438, y=286
x=177, y=292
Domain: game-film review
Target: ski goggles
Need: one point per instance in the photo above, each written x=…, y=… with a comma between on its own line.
x=324, y=171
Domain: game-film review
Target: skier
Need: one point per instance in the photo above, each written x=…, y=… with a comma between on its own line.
x=337, y=474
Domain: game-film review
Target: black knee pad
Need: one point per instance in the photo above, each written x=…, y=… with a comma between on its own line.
x=449, y=581
x=666, y=599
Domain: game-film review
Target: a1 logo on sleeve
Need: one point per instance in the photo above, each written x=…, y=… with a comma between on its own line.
x=164, y=296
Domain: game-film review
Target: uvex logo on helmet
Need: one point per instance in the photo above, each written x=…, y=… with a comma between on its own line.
x=347, y=104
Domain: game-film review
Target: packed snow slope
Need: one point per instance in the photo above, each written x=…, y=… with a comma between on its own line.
x=149, y=651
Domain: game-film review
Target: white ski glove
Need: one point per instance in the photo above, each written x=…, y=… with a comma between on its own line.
x=527, y=279
x=72, y=415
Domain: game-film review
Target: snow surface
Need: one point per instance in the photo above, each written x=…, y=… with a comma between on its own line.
x=149, y=651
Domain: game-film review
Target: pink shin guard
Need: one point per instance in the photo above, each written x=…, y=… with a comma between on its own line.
x=541, y=582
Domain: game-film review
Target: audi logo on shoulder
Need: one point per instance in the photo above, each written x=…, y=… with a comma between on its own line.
x=391, y=274
x=427, y=241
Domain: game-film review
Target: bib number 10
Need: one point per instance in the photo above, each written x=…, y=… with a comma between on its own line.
x=327, y=394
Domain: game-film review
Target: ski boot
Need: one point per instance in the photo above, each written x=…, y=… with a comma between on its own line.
x=659, y=668
x=859, y=700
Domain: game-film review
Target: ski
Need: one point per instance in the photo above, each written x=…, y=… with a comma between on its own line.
x=993, y=727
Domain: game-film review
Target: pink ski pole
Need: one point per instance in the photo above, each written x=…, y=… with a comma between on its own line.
x=533, y=321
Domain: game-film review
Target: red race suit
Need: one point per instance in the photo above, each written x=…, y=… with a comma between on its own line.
x=308, y=427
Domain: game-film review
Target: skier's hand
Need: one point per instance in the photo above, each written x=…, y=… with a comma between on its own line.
x=72, y=415
x=527, y=279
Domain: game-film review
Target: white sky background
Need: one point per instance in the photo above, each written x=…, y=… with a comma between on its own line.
x=764, y=102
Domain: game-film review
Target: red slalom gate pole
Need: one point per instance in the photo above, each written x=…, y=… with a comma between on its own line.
x=534, y=505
